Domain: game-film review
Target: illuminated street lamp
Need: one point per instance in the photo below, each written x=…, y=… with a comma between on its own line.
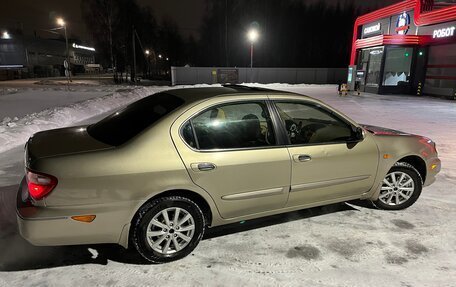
x=252, y=35
x=160, y=56
x=6, y=35
x=62, y=24
x=147, y=52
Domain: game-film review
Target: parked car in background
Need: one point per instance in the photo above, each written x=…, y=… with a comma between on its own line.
x=155, y=174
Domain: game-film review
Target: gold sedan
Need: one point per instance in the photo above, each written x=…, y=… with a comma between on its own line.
x=155, y=174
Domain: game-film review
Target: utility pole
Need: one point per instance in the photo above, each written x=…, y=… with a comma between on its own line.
x=110, y=35
x=227, y=63
x=133, y=74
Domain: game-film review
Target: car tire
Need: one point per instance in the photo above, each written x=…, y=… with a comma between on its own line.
x=401, y=188
x=159, y=239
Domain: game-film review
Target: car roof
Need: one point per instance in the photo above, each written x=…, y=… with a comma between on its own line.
x=190, y=95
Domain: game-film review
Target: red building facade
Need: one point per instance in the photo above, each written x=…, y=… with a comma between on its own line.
x=407, y=48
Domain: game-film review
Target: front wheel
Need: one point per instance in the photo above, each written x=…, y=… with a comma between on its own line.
x=168, y=229
x=400, y=188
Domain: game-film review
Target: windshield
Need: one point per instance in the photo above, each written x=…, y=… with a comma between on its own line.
x=128, y=122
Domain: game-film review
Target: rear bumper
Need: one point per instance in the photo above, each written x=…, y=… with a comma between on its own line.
x=52, y=226
x=60, y=231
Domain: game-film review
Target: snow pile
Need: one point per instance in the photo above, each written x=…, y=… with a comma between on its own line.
x=8, y=91
x=65, y=83
x=82, y=87
x=16, y=131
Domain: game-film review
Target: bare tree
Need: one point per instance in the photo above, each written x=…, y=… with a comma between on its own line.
x=101, y=19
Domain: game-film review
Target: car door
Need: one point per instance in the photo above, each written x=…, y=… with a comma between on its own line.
x=327, y=164
x=230, y=149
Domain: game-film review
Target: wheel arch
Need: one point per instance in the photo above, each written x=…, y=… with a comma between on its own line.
x=124, y=239
x=411, y=159
x=194, y=196
x=418, y=163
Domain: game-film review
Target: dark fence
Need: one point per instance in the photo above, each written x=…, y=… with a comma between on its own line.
x=208, y=75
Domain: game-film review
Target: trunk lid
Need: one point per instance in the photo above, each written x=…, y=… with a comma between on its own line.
x=59, y=142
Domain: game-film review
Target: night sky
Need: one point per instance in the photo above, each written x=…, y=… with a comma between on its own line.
x=38, y=15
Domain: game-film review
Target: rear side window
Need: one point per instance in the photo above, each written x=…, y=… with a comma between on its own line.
x=239, y=125
x=125, y=124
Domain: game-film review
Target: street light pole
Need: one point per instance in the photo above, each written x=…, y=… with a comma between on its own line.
x=251, y=55
x=62, y=24
x=147, y=52
x=133, y=74
x=67, y=53
x=252, y=35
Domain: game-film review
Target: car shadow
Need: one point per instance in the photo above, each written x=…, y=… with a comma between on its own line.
x=275, y=219
x=362, y=203
x=16, y=254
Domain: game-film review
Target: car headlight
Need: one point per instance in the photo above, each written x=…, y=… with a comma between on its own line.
x=432, y=143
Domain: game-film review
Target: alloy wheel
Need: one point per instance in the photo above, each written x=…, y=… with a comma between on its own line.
x=397, y=188
x=170, y=230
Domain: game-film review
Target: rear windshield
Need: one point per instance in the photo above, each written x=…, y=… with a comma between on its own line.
x=125, y=124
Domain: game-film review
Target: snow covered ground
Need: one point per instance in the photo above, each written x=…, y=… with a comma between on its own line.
x=338, y=245
x=18, y=102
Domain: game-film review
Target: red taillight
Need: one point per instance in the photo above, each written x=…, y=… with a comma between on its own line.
x=40, y=184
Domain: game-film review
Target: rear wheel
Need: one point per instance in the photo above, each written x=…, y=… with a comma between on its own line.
x=400, y=188
x=168, y=229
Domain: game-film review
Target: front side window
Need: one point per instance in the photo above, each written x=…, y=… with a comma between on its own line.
x=309, y=124
x=239, y=125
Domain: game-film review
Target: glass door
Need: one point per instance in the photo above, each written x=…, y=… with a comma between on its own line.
x=374, y=67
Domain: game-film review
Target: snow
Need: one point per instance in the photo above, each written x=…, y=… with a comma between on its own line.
x=94, y=253
x=338, y=245
x=20, y=102
x=51, y=110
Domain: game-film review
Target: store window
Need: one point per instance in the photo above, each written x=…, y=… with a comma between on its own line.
x=375, y=63
x=397, y=66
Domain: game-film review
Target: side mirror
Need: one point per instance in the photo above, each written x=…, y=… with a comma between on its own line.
x=357, y=134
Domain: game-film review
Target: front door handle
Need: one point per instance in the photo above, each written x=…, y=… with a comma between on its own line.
x=203, y=166
x=302, y=157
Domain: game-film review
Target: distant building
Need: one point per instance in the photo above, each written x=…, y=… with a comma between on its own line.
x=407, y=48
x=24, y=57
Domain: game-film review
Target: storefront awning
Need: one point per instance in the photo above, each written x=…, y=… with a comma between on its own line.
x=382, y=40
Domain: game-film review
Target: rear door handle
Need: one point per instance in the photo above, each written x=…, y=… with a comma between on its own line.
x=302, y=157
x=203, y=166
